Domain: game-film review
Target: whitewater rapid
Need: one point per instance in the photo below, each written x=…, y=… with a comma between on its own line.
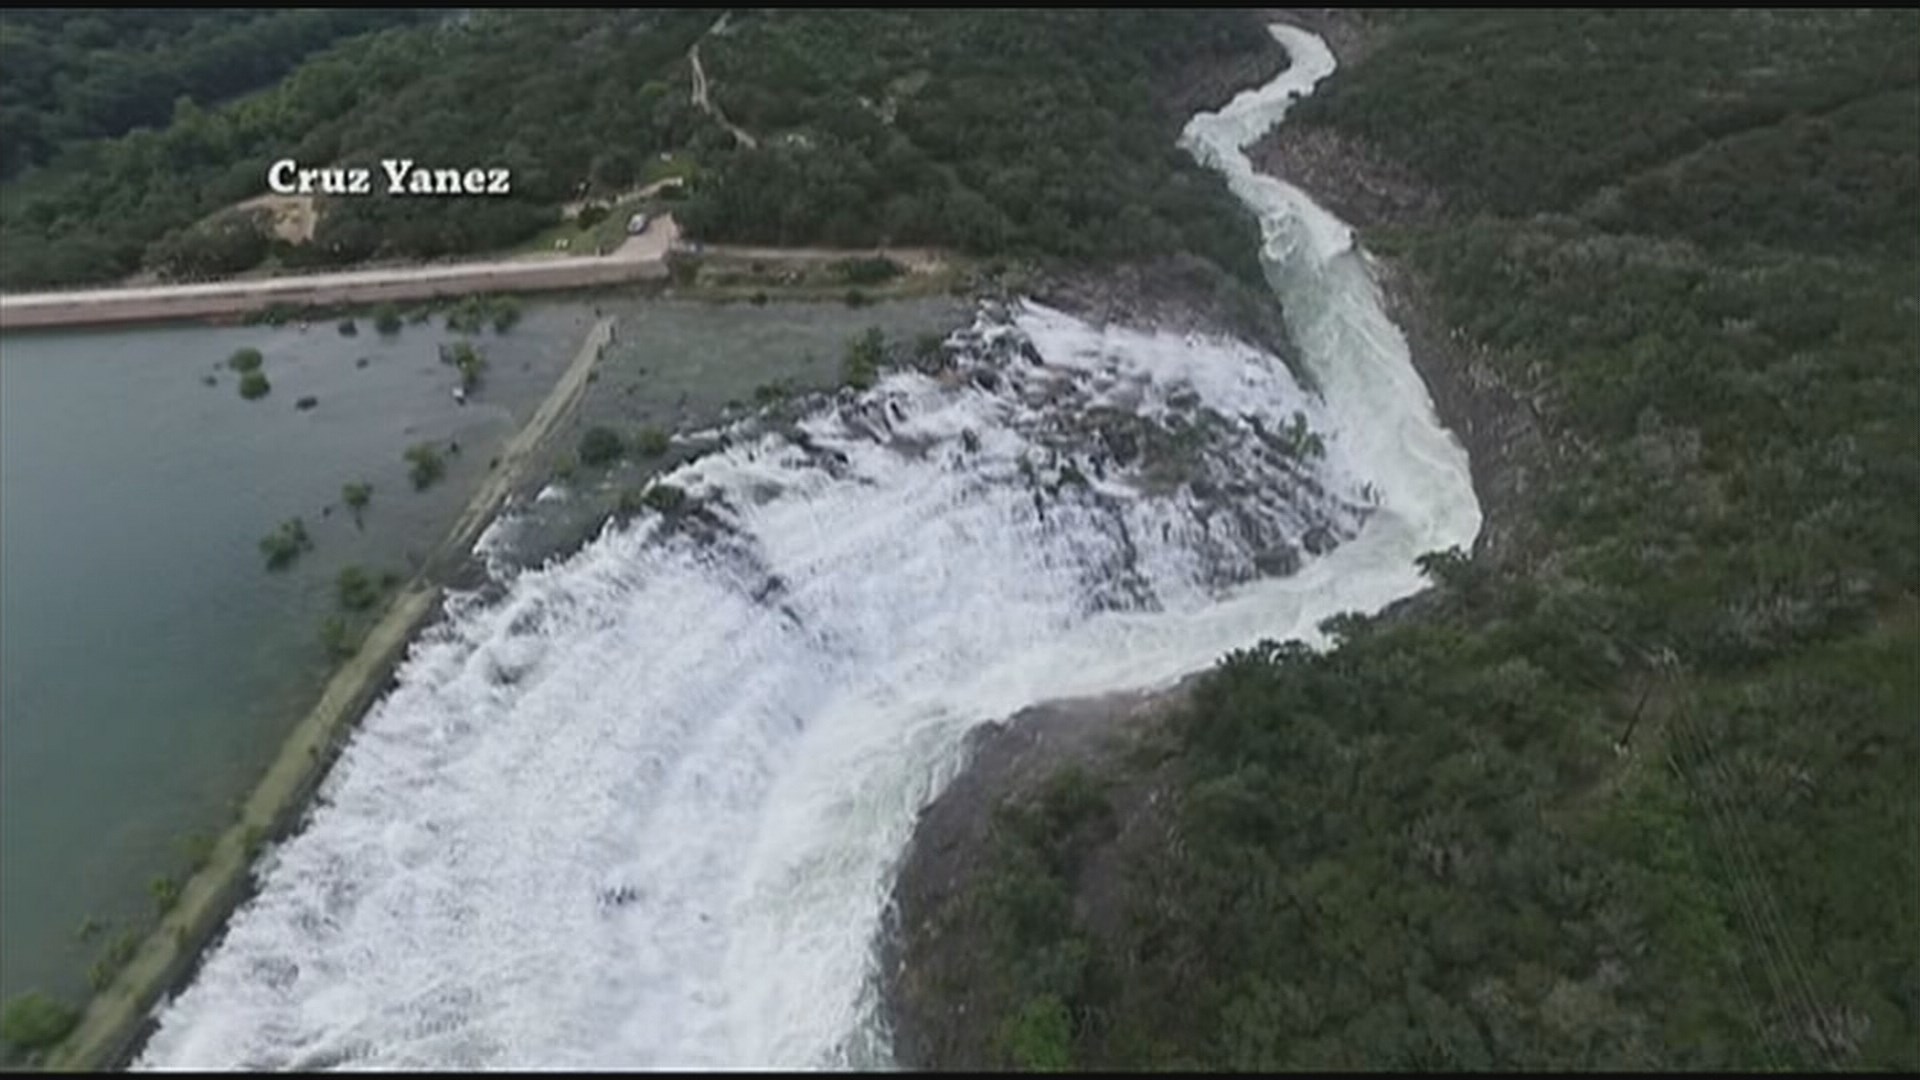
x=639, y=809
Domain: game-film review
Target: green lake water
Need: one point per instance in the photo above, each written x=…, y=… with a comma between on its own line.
x=149, y=665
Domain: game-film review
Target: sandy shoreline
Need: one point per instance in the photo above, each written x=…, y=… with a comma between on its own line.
x=116, y=1021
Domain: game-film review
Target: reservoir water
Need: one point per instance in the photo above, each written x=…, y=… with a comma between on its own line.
x=149, y=664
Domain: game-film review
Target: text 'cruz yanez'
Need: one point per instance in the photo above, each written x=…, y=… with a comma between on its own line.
x=404, y=177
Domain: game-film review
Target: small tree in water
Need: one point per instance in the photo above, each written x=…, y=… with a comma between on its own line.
x=34, y=1021
x=356, y=496
x=428, y=467
x=285, y=544
x=864, y=354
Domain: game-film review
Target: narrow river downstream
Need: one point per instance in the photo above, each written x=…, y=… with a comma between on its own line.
x=641, y=809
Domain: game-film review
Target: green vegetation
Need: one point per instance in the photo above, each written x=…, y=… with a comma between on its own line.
x=356, y=496
x=665, y=498
x=285, y=544
x=348, y=328
x=245, y=360
x=1030, y=132
x=652, y=442
x=865, y=353
x=34, y=1021
x=66, y=79
x=428, y=467
x=97, y=209
x=1025, y=132
x=197, y=847
x=254, y=385
x=469, y=361
x=386, y=320
x=166, y=893
x=339, y=639
x=357, y=589
x=474, y=313
x=1438, y=846
x=112, y=959
x=601, y=446
x=506, y=314
x=867, y=271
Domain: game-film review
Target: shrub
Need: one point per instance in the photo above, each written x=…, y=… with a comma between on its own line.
x=386, y=319
x=862, y=364
x=337, y=639
x=601, y=446
x=652, y=442
x=428, y=467
x=1040, y=1037
x=34, y=1021
x=664, y=497
x=285, y=544
x=245, y=360
x=868, y=270
x=198, y=848
x=355, y=496
x=470, y=362
x=254, y=385
x=347, y=328
x=357, y=589
x=166, y=893
x=506, y=313
x=856, y=298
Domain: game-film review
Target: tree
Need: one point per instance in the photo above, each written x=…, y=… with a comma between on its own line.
x=428, y=466
x=601, y=446
x=357, y=589
x=652, y=442
x=254, y=385
x=34, y=1021
x=245, y=360
x=285, y=544
x=356, y=496
x=861, y=366
x=470, y=362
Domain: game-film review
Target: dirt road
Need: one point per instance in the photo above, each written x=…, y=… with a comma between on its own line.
x=701, y=101
x=640, y=258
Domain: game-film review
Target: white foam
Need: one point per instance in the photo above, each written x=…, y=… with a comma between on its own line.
x=642, y=811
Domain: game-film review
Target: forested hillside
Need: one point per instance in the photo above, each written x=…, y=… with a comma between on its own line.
x=1689, y=239
x=67, y=76
x=1044, y=132
x=1029, y=133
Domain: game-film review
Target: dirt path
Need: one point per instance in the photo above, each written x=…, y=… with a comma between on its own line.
x=639, y=258
x=701, y=101
x=518, y=452
x=115, y=1020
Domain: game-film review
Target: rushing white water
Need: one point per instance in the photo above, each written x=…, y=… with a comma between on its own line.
x=641, y=810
